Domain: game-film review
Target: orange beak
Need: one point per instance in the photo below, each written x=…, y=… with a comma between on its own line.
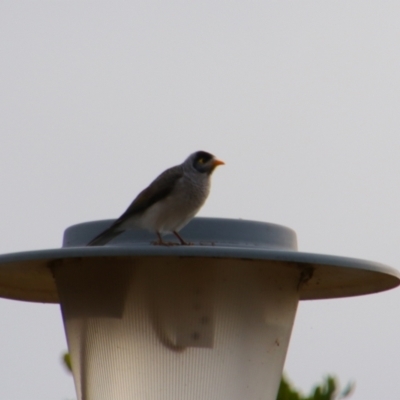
x=217, y=162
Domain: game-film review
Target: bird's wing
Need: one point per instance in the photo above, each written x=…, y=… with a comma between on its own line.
x=160, y=188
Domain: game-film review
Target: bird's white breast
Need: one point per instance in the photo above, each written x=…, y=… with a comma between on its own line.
x=176, y=210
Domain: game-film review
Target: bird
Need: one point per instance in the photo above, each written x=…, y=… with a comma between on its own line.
x=169, y=202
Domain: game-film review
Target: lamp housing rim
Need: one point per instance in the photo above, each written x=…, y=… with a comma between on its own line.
x=28, y=275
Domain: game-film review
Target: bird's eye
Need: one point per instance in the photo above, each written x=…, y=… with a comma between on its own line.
x=201, y=161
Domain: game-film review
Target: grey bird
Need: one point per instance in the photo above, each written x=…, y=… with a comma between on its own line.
x=169, y=202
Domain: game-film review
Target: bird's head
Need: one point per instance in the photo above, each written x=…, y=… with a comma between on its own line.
x=204, y=162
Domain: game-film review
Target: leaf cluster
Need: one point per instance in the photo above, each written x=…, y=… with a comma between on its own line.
x=327, y=390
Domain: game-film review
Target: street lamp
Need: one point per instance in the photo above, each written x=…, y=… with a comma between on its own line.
x=207, y=321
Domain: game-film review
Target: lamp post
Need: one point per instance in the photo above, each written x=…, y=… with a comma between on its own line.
x=207, y=321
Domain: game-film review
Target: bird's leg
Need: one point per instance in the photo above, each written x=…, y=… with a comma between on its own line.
x=160, y=241
x=180, y=238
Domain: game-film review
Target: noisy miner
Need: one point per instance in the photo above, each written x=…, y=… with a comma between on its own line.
x=169, y=202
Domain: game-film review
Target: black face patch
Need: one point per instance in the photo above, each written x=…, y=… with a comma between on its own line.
x=201, y=162
x=202, y=157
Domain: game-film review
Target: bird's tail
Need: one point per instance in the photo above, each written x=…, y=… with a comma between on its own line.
x=104, y=237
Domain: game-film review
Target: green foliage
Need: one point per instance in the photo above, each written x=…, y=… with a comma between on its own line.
x=327, y=390
x=66, y=358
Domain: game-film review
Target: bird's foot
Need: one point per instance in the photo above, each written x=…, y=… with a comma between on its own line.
x=183, y=242
x=162, y=243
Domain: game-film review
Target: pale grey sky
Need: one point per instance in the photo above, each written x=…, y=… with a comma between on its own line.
x=301, y=99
